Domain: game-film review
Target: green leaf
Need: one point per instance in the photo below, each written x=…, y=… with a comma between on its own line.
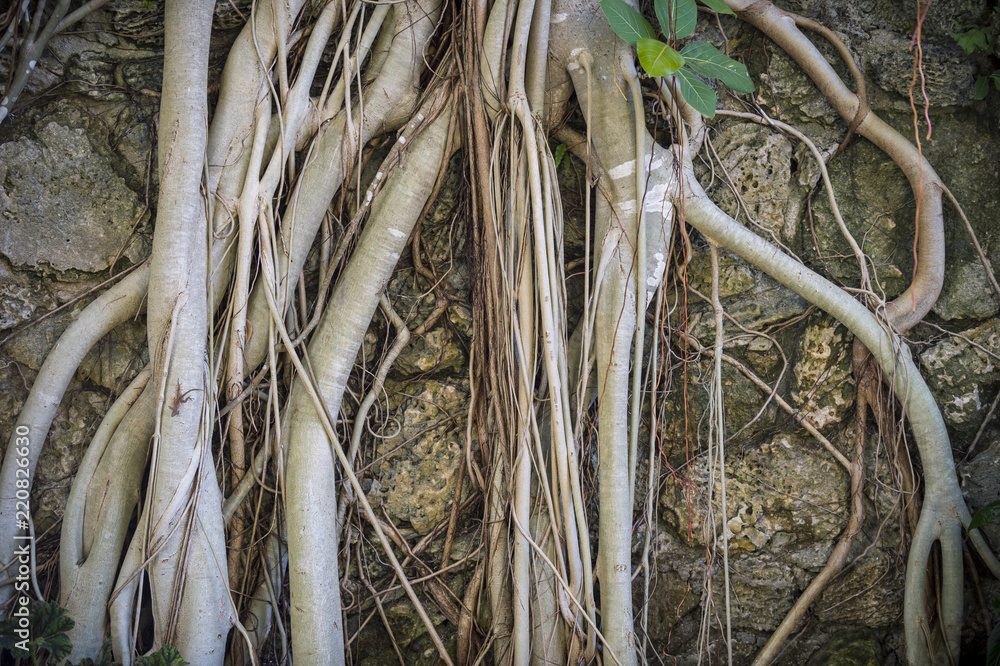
x=982, y=87
x=9, y=640
x=58, y=646
x=696, y=92
x=626, y=22
x=988, y=514
x=973, y=37
x=49, y=626
x=560, y=153
x=657, y=58
x=709, y=61
x=677, y=17
x=50, y=619
x=719, y=6
x=165, y=656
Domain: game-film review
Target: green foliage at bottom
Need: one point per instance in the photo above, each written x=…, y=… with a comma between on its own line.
x=48, y=644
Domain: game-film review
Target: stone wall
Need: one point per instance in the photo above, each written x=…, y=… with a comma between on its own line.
x=76, y=201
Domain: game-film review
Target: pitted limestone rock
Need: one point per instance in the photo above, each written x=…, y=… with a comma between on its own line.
x=967, y=293
x=418, y=463
x=849, y=647
x=21, y=297
x=748, y=295
x=63, y=207
x=117, y=358
x=786, y=487
x=981, y=484
x=791, y=94
x=681, y=410
x=948, y=73
x=787, y=503
x=869, y=592
x=30, y=347
x=758, y=162
x=961, y=370
x=78, y=417
x=735, y=275
x=876, y=204
x=436, y=351
x=824, y=385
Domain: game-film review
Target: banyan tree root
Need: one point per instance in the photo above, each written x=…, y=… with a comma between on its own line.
x=167, y=412
x=944, y=508
x=312, y=498
x=106, y=492
x=115, y=306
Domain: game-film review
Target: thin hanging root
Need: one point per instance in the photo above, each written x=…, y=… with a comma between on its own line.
x=652, y=468
x=859, y=80
x=32, y=52
x=796, y=414
x=718, y=426
x=640, y=278
x=469, y=638
x=378, y=603
x=944, y=507
x=545, y=625
x=914, y=303
x=872, y=394
x=247, y=215
x=566, y=589
x=975, y=243
x=262, y=610
x=402, y=339
x=443, y=597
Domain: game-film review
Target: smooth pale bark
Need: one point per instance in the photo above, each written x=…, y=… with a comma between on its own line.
x=243, y=86
x=943, y=506
x=88, y=558
x=916, y=301
x=108, y=497
x=188, y=580
x=30, y=55
x=389, y=101
x=115, y=306
x=105, y=496
x=317, y=634
x=611, y=63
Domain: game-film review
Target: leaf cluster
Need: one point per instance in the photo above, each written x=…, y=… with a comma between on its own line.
x=974, y=36
x=677, y=20
x=48, y=626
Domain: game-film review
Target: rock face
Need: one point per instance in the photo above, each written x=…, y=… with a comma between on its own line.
x=73, y=204
x=823, y=388
x=759, y=165
x=962, y=371
x=419, y=457
x=63, y=207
